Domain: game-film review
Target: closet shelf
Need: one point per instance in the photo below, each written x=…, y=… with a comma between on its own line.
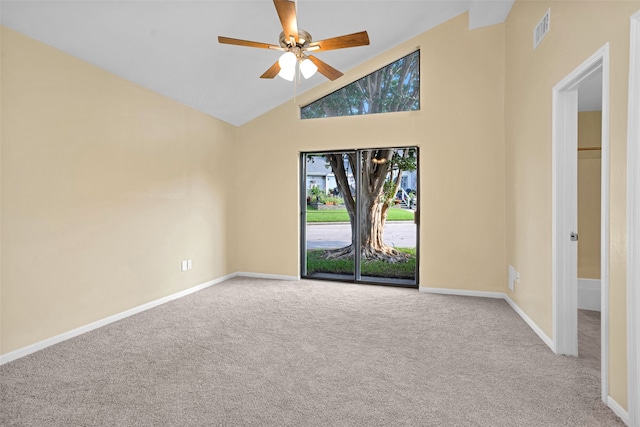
x=589, y=148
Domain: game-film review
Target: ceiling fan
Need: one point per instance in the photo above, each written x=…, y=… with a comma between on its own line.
x=295, y=43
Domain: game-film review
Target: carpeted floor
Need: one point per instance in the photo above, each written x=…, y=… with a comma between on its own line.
x=266, y=353
x=589, y=339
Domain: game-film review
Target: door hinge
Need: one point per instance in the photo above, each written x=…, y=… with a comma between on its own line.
x=574, y=236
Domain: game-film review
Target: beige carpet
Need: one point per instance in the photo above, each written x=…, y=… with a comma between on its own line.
x=270, y=353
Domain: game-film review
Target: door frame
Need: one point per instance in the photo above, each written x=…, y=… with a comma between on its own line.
x=633, y=225
x=565, y=177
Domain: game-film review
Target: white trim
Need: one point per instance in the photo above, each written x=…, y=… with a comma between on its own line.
x=589, y=294
x=24, y=351
x=500, y=295
x=266, y=276
x=564, y=191
x=461, y=292
x=544, y=337
x=633, y=225
x=618, y=410
x=604, y=229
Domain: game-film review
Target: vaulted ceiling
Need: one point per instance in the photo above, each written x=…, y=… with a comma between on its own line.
x=171, y=47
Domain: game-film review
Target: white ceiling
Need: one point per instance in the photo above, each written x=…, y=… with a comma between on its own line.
x=171, y=47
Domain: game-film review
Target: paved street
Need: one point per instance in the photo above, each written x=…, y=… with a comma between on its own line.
x=325, y=236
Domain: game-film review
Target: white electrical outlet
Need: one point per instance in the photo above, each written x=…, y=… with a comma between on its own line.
x=185, y=265
x=513, y=277
x=189, y=264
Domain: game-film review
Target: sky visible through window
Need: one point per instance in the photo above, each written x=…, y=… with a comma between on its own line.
x=395, y=87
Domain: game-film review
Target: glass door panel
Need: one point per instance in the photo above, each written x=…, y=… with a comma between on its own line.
x=387, y=205
x=329, y=215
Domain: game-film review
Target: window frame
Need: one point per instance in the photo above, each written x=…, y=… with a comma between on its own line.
x=416, y=51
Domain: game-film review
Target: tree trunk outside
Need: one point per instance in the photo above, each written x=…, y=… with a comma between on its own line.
x=372, y=207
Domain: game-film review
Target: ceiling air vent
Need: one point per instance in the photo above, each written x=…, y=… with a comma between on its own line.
x=541, y=29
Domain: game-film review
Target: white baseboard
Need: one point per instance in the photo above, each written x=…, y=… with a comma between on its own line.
x=617, y=409
x=265, y=276
x=589, y=293
x=529, y=321
x=500, y=295
x=462, y=292
x=16, y=354
x=21, y=352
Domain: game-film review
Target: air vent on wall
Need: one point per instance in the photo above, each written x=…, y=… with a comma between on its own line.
x=541, y=29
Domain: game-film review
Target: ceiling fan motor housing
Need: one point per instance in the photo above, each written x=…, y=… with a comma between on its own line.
x=304, y=38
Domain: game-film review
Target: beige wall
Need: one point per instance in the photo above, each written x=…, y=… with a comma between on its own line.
x=106, y=187
x=578, y=29
x=459, y=130
x=589, y=171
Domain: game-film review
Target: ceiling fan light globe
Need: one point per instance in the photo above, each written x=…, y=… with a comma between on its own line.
x=287, y=66
x=308, y=68
x=287, y=73
x=287, y=61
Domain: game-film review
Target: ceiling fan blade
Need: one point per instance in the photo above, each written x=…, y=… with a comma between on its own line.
x=325, y=69
x=272, y=71
x=239, y=42
x=287, y=13
x=349, y=40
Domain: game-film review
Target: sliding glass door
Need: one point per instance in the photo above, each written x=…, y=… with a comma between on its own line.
x=358, y=215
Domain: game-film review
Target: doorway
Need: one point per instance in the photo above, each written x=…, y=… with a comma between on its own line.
x=359, y=216
x=589, y=219
x=566, y=94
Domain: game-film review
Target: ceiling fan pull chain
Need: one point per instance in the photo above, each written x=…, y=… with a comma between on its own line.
x=296, y=82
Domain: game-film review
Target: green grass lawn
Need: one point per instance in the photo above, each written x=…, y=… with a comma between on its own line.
x=403, y=270
x=394, y=214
